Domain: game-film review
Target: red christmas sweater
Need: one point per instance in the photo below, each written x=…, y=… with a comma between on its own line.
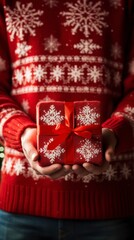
x=67, y=51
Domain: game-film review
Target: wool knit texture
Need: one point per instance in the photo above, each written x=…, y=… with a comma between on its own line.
x=67, y=51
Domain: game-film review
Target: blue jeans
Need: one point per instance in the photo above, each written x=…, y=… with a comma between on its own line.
x=22, y=227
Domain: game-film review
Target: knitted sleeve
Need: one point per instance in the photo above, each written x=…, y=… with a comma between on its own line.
x=122, y=120
x=13, y=120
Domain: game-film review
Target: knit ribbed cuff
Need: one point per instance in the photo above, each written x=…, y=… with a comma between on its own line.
x=123, y=131
x=13, y=130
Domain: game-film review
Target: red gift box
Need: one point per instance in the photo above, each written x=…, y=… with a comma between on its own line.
x=69, y=132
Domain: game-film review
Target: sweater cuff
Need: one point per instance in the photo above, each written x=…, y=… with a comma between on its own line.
x=123, y=131
x=13, y=129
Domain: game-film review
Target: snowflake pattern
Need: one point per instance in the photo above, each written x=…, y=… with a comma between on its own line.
x=126, y=171
x=52, y=116
x=2, y=64
x=116, y=51
x=95, y=74
x=115, y=3
x=51, y=3
x=110, y=173
x=8, y=165
x=85, y=17
x=75, y=73
x=18, y=167
x=129, y=111
x=87, y=115
x=22, y=49
x=52, y=155
x=117, y=78
x=88, y=150
x=24, y=19
x=86, y=46
x=57, y=73
x=51, y=44
x=25, y=105
x=116, y=171
x=39, y=72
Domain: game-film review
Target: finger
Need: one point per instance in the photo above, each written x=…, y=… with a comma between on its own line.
x=33, y=159
x=61, y=173
x=30, y=152
x=91, y=168
x=79, y=170
x=109, y=153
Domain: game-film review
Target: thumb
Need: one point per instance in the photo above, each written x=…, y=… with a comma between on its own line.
x=30, y=152
x=109, y=153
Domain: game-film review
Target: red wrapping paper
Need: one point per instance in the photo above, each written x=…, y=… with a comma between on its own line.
x=69, y=132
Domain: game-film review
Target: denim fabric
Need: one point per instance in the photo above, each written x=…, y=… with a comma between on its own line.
x=22, y=227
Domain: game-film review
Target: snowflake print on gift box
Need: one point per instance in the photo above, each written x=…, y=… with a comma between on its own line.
x=88, y=150
x=22, y=49
x=51, y=3
x=52, y=155
x=52, y=116
x=86, y=46
x=22, y=19
x=85, y=16
x=87, y=115
x=51, y=44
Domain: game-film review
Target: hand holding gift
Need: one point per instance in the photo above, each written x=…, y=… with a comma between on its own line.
x=69, y=132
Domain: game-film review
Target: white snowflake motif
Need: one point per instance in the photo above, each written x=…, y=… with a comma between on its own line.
x=18, y=77
x=75, y=73
x=88, y=178
x=23, y=19
x=52, y=116
x=2, y=64
x=110, y=173
x=57, y=73
x=39, y=72
x=95, y=74
x=32, y=173
x=115, y=3
x=88, y=150
x=28, y=75
x=108, y=77
x=51, y=44
x=8, y=165
x=19, y=167
x=87, y=115
x=25, y=105
x=22, y=49
x=129, y=111
x=126, y=171
x=86, y=46
x=117, y=78
x=52, y=155
x=85, y=17
x=51, y=3
x=116, y=51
